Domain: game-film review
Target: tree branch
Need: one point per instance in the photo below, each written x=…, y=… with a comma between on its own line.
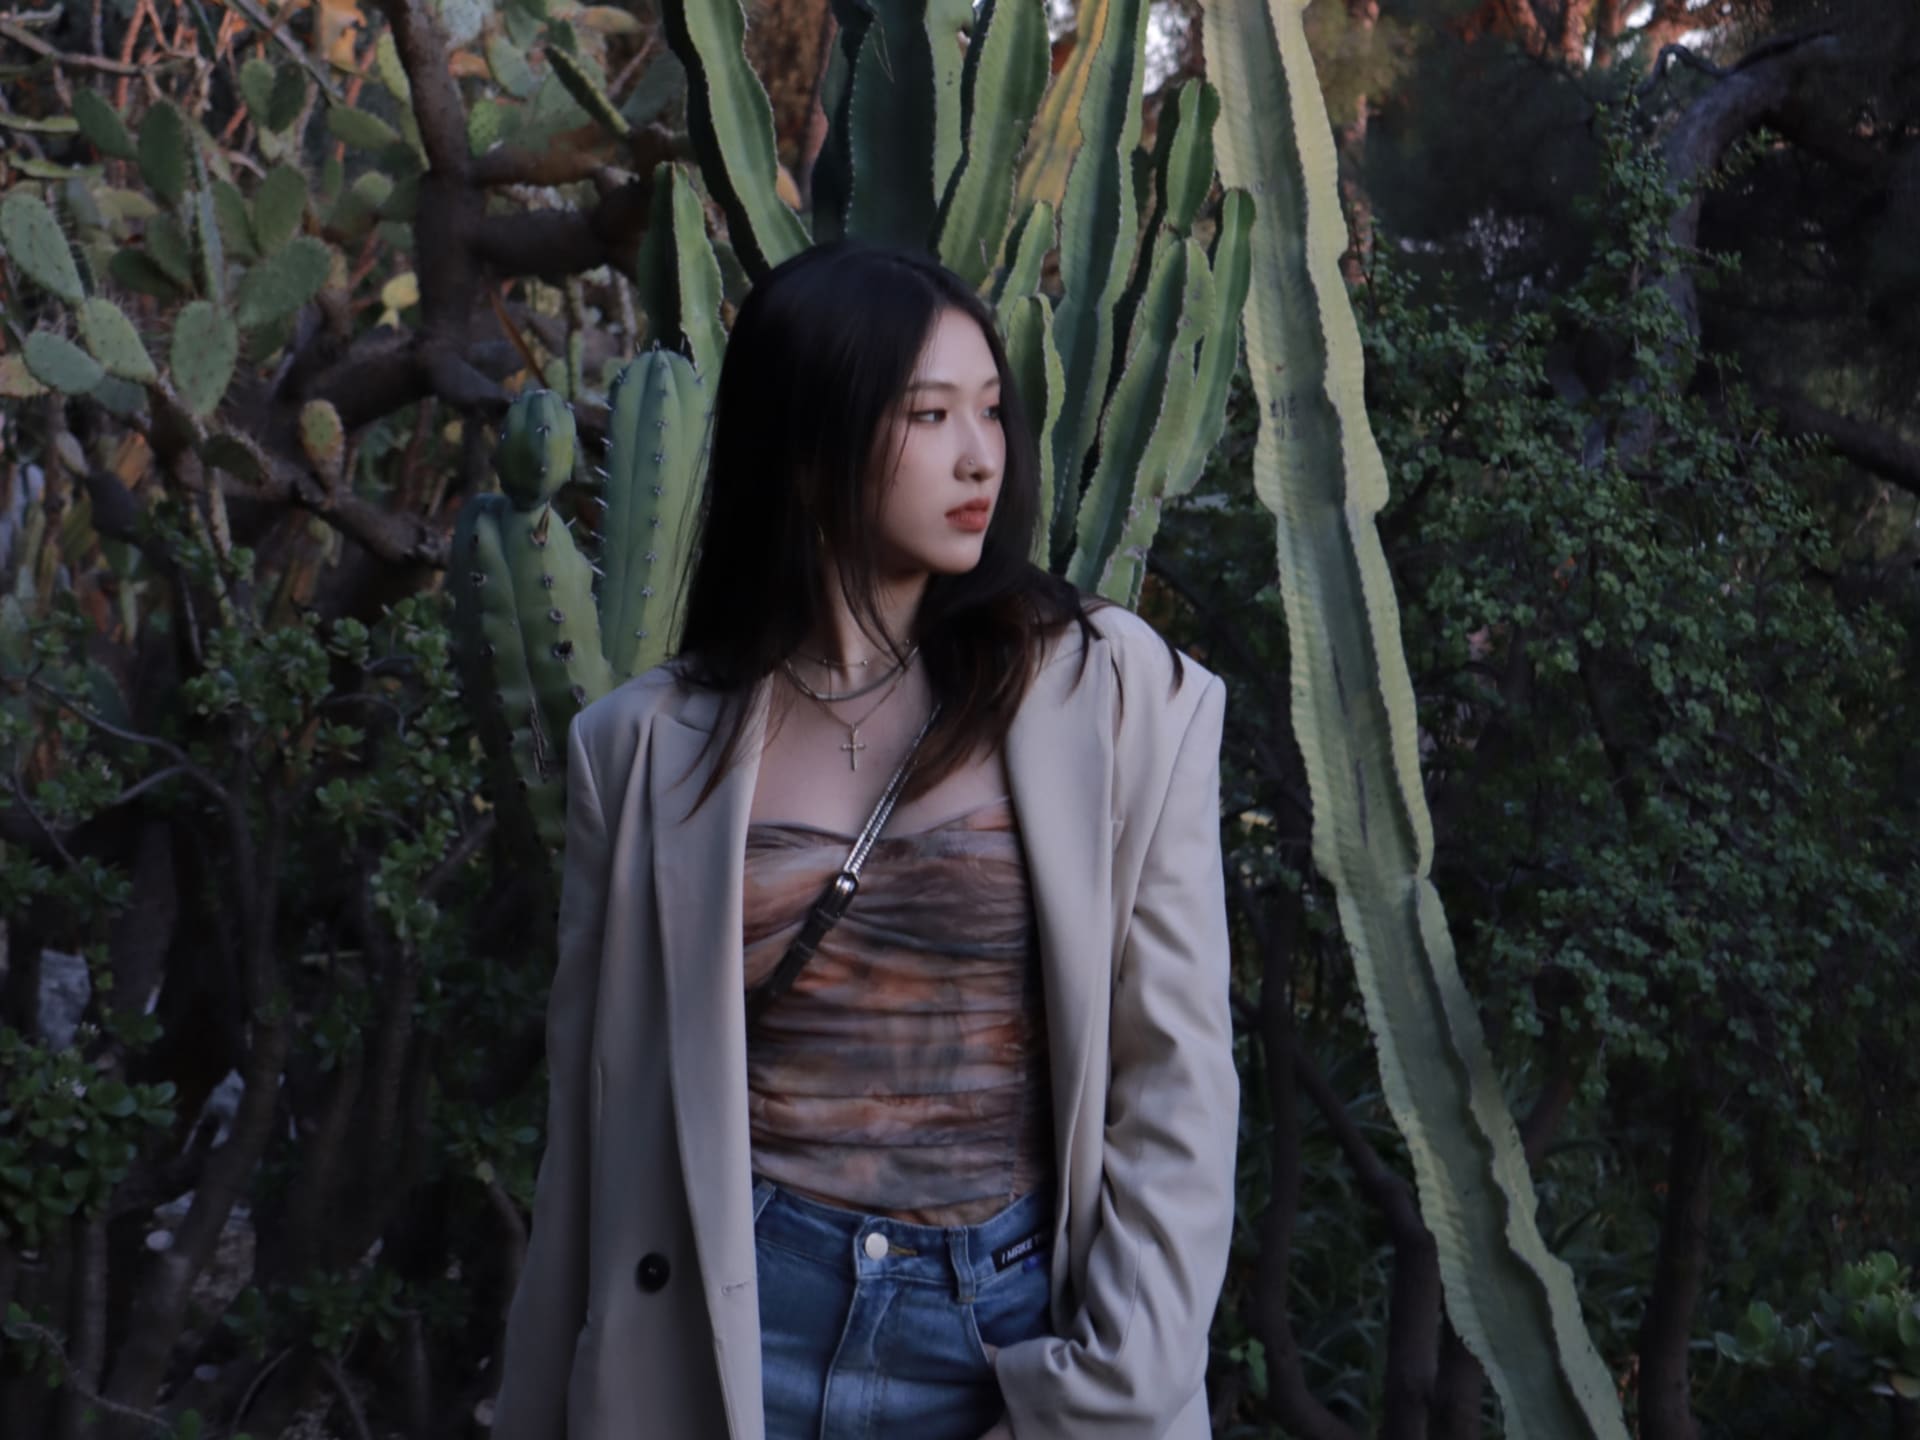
x=1414, y=1308
x=1873, y=448
x=553, y=244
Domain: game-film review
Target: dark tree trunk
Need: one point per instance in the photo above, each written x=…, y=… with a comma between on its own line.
x=1666, y=1399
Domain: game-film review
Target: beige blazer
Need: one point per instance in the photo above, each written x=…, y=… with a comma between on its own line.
x=636, y=1316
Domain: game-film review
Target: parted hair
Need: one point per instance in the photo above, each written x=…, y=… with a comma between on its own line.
x=817, y=363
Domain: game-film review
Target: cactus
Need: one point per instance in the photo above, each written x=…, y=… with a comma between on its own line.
x=676, y=273
x=657, y=438
x=137, y=271
x=102, y=124
x=162, y=151
x=1511, y=1301
x=256, y=88
x=1144, y=420
x=59, y=364
x=1232, y=264
x=360, y=129
x=586, y=90
x=527, y=760
x=38, y=246
x=287, y=99
x=169, y=248
x=1006, y=74
x=238, y=455
x=324, y=441
x=1036, y=372
x=113, y=341
x=236, y=224
x=535, y=455
x=205, y=347
x=211, y=249
x=1027, y=249
x=1097, y=217
x=888, y=138
x=529, y=630
x=283, y=282
x=278, y=206
x=731, y=123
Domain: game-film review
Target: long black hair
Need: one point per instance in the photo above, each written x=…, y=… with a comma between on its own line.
x=818, y=361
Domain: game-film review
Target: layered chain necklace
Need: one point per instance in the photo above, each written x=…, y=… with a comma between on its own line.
x=890, y=681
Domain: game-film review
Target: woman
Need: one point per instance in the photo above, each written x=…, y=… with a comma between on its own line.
x=972, y=1174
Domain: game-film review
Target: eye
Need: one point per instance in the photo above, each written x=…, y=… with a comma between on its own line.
x=994, y=410
x=936, y=415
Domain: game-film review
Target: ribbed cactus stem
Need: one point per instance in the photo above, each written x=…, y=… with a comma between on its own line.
x=525, y=759
x=656, y=443
x=537, y=444
x=1005, y=76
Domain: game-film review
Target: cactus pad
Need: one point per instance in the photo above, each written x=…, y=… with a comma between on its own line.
x=38, y=246
x=323, y=438
x=278, y=206
x=113, y=340
x=360, y=129
x=163, y=152
x=205, y=347
x=102, y=124
x=283, y=282
x=60, y=364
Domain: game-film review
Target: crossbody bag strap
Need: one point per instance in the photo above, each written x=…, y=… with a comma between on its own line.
x=839, y=892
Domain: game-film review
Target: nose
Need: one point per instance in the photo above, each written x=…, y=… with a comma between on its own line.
x=976, y=460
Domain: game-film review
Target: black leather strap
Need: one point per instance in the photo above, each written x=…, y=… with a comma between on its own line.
x=833, y=901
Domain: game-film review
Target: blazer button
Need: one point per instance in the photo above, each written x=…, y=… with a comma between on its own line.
x=652, y=1273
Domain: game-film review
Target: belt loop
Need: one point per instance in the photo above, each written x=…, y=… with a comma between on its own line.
x=762, y=1193
x=961, y=1258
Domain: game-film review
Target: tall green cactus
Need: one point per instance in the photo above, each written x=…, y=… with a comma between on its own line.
x=1317, y=468
x=525, y=615
x=658, y=437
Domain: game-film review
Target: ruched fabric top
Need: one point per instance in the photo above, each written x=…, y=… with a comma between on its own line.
x=905, y=1073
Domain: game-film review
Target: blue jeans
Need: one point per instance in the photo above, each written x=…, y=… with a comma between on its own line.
x=873, y=1329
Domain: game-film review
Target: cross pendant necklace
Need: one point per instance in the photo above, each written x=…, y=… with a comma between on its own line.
x=854, y=744
x=853, y=747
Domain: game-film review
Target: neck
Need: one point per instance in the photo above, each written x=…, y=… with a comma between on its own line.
x=845, y=641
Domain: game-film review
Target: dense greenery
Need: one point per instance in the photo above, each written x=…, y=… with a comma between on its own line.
x=1642, y=695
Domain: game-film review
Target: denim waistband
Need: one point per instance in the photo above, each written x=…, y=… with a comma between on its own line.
x=960, y=1257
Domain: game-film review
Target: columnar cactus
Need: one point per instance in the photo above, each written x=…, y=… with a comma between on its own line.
x=526, y=619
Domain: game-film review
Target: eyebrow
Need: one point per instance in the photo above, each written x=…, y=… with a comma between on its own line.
x=948, y=384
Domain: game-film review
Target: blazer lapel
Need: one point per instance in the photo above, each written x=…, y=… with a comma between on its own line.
x=1059, y=755
x=699, y=871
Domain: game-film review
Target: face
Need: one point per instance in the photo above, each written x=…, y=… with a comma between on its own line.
x=948, y=454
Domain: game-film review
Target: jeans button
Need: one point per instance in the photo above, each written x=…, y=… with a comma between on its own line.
x=876, y=1246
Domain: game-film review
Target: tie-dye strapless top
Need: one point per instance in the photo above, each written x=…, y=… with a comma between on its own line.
x=905, y=1073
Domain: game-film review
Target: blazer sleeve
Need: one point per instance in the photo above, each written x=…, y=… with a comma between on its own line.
x=1136, y=1356
x=549, y=1302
